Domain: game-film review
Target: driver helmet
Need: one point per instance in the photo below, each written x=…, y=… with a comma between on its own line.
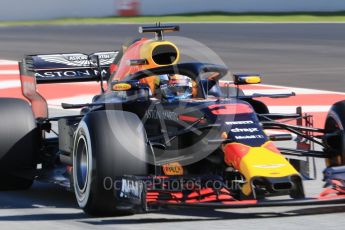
x=175, y=87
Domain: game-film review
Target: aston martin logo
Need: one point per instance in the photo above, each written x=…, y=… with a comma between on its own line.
x=79, y=60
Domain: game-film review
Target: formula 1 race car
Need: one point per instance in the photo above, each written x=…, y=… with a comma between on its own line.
x=163, y=133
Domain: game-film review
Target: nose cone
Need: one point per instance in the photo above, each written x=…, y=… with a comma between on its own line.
x=258, y=162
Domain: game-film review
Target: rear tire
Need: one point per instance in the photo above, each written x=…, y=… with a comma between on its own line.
x=18, y=143
x=335, y=123
x=107, y=146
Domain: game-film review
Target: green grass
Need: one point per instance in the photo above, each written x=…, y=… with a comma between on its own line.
x=203, y=17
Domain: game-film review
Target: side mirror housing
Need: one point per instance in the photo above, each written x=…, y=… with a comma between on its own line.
x=245, y=79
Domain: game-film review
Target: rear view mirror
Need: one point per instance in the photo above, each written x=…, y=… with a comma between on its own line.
x=244, y=79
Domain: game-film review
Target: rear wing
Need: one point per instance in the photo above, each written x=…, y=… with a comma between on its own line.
x=73, y=67
x=60, y=68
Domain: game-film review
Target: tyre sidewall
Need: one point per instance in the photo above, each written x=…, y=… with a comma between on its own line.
x=19, y=143
x=337, y=113
x=108, y=162
x=82, y=198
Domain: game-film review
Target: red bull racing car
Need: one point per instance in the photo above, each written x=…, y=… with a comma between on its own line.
x=163, y=133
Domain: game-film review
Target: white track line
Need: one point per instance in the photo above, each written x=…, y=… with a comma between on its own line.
x=8, y=62
x=9, y=72
x=9, y=84
x=283, y=90
x=306, y=109
x=278, y=89
x=56, y=103
x=299, y=89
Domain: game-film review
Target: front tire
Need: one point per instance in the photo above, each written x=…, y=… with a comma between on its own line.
x=335, y=135
x=103, y=153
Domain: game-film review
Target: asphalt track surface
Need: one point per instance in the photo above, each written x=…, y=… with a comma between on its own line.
x=299, y=55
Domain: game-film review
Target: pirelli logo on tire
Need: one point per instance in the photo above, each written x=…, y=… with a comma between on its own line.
x=122, y=87
x=173, y=169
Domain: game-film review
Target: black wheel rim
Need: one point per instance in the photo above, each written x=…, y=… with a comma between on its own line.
x=82, y=164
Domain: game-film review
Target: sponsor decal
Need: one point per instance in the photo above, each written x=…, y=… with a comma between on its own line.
x=131, y=189
x=173, y=169
x=68, y=73
x=249, y=137
x=78, y=60
x=165, y=115
x=239, y=122
x=122, y=87
x=245, y=130
x=68, y=60
x=106, y=57
x=228, y=109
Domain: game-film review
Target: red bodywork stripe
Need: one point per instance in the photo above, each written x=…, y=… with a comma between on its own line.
x=230, y=109
x=241, y=202
x=112, y=68
x=38, y=103
x=9, y=67
x=190, y=118
x=199, y=196
x=234, y=152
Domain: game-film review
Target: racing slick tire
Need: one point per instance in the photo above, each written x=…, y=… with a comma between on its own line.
x=335, y=134
x=18, y=143
x=108, y=145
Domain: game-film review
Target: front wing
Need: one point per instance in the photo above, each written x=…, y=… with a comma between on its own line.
x=148, y=193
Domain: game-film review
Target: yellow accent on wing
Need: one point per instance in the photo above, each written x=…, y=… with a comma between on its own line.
x=253, y=79
x=261, y=162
